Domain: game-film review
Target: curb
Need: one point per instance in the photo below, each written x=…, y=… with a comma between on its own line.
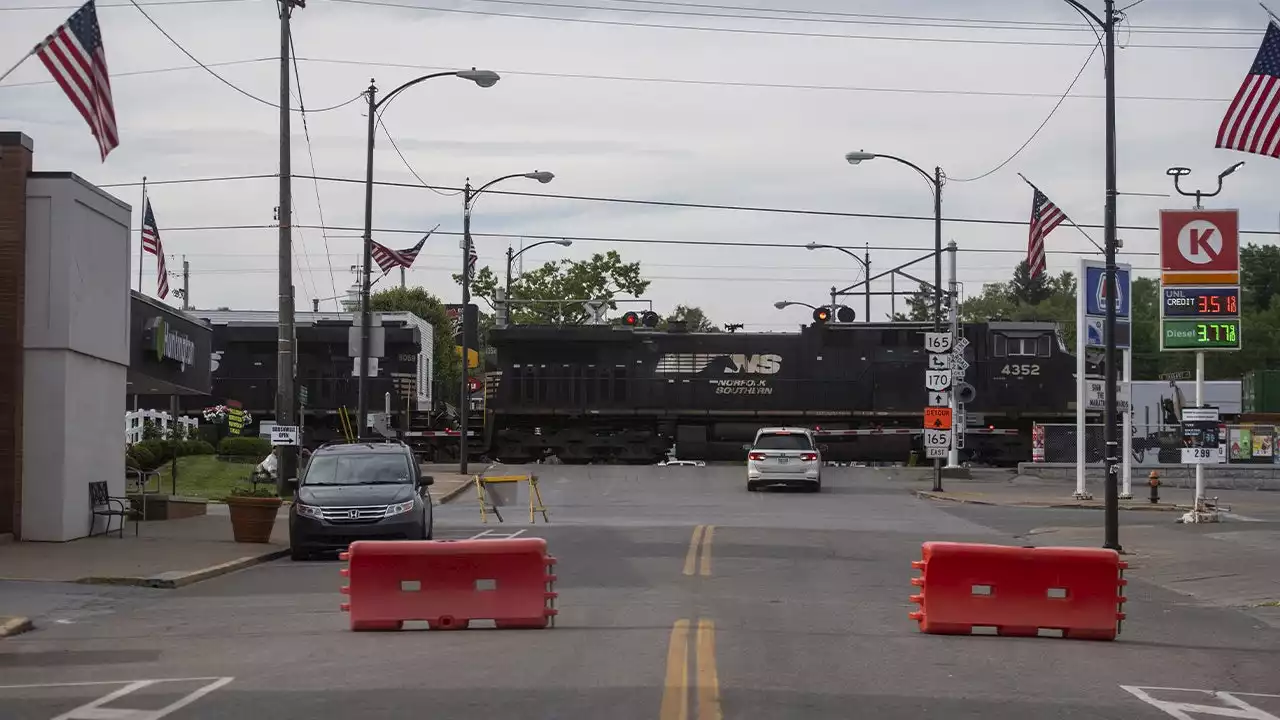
x=10, y=626
x=177, y=579
x=930, y=495
x=456, y=491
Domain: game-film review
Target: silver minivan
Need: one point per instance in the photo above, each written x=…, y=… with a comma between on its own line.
x=784, y=456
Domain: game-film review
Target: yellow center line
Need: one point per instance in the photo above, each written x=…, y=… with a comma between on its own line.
x=706, y=550
x=675, y=692
x=691, y=558
x=708, y=677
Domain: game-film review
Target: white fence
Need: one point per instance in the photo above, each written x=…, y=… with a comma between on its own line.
x=135, y=422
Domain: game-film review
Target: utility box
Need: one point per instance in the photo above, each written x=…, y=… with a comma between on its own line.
x=1261, y=391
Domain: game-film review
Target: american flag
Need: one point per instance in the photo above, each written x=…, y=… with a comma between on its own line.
x=1252, y=123
x=388, y=259
x=1045, y=216
x=77, y=60
x=472, y=257
x=151, y=243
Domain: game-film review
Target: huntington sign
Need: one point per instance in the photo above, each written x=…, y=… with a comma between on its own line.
x=168, y=344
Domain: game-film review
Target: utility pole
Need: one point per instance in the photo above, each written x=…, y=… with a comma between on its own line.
x=402, y=278
x=464, y=406
x=287, y=465
x=186, y=284
x=1112, y=457
x=937, y=291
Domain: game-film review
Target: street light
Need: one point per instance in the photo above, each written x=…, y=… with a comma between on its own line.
x=468, y=199
x=936, y=180
x=483, y=78
x=784, y=304
x=865, y=262
x=512, y=256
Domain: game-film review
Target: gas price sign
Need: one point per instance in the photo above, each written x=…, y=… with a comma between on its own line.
x=1201, y=334
x=1201, y=302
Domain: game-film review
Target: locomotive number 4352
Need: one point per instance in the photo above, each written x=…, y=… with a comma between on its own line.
x=1020, y=370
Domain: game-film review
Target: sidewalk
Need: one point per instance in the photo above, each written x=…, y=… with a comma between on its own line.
x=164, y=554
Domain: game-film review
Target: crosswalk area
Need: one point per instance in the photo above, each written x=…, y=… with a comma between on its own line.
x=1195, y=704
x=139, y=699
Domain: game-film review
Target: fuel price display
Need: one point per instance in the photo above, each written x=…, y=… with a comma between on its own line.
x=1201, y=302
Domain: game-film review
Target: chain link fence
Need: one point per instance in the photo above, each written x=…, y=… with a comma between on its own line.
x=1151, y=445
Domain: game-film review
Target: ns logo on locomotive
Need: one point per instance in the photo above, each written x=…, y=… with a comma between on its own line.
x=633, y=394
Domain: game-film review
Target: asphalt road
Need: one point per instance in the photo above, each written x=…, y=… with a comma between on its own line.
x=681, y=596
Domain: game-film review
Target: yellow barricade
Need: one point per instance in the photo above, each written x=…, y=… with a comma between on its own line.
x=487, y=496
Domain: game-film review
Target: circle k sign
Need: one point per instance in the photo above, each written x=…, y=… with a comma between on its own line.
x=1203, y=240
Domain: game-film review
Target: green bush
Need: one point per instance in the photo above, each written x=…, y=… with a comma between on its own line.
x=195, y=447
x=130, y=461
x=253, y=447
x=143, y=457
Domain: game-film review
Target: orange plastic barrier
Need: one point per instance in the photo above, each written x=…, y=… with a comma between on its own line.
x=1019, y=591
x=449, y=583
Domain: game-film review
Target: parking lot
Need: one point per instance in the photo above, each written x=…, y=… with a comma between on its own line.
x=681, y=595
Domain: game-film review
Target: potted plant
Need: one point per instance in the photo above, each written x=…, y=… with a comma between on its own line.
x=253, y=512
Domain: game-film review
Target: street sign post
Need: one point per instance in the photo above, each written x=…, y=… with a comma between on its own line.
x=938, y=379
x=1091, y=309
x=1200, y=310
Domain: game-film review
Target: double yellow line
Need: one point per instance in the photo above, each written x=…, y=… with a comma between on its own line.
x=675, y=693
x=701, y=535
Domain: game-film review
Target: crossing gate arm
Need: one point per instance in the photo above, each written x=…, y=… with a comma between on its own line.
x=487, y=504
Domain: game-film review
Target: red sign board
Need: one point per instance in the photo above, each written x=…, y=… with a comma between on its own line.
x=1200, y=240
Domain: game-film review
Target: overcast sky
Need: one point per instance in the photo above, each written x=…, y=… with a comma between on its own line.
x=701, y=127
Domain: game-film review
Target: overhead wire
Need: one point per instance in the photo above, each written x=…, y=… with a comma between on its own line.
x=306, y=134
x=774, y=33
x=647, y=202
x=1042, y=126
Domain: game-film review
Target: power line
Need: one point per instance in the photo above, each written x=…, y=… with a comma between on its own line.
x=306, y=134
x=776, y=33
x=387, y=131
x=752, y=13
x=154, y=71
x=1036, y=134
x=633, y=201
x=117, y=5
x=773, y=86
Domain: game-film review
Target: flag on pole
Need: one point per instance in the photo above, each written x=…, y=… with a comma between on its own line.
x=388, y=259
x=1045, y=216
x=472, y=257
x=151, y=243
x=76, y=58
x=1252, y=122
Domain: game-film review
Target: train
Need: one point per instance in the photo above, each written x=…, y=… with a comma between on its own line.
x=618, y=394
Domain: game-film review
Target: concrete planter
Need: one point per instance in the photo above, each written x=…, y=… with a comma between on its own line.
x=253, y=518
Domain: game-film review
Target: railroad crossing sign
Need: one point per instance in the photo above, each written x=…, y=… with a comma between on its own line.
x=939, y=398
x=960, y=364
x=1200, y=247
x=595, y=311
x=961, y=344
x=937, y=418
x=937, y=379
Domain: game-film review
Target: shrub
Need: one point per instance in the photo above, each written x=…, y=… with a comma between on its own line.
x=253, y=447
x=143, y=457
x=194, y=447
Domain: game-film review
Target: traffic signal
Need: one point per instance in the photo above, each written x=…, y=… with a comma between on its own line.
x=630, y=319
x=845, y=314
x=822, y=315
x=648, y=319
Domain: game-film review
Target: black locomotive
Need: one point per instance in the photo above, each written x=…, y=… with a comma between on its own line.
x=622, y=394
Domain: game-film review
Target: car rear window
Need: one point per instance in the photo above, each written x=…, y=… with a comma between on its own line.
x=784, y=441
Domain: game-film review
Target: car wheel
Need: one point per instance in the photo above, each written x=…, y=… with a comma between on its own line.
x=752, y=487
x=297, y=555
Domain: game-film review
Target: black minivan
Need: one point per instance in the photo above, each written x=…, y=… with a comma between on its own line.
x=366, y=490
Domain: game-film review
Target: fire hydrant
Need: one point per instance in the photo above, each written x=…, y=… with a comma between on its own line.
x=1155, y=487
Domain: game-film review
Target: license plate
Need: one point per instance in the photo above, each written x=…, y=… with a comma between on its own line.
x=783, y=461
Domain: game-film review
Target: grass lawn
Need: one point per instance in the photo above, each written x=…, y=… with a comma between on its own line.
x=204, y=476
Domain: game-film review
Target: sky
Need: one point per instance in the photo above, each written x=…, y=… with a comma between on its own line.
x=756, y=108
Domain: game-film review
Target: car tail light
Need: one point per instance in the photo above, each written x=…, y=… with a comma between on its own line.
x=755, y=456
x=809, y=457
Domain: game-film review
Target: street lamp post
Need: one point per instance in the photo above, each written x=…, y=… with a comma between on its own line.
x=483, y=78
x=784, y=304
x=936, y=180
x=468, y=198
x=865, y=262
x=511, y=256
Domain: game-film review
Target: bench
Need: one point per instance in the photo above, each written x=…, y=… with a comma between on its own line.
x=102, y=504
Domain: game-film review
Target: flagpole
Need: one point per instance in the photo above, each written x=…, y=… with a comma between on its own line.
x=1274, y=17
x=1068, y=217
x=142, y=230
x=31, y=52
x=401, y=277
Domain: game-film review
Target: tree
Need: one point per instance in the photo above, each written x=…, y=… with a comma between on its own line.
x=1028, y=290
x=448, y=366
x=919, y=306
x=1260, y=276
x=602, y=277
x=695, y=319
